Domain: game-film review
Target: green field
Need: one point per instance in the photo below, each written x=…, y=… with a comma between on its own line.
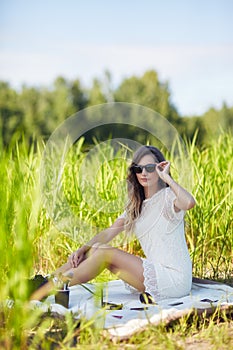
x=32, y=244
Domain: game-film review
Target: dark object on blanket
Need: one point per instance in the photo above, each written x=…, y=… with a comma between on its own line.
x=146, y=298
x=111, y=306
x=176, y=303
x=62, y=297
x=35, y=283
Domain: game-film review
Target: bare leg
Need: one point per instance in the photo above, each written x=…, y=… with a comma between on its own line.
x=128, y=267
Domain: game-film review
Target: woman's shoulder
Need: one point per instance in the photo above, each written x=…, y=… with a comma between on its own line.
x=168, y=193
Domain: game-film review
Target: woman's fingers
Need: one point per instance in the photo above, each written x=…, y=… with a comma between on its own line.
x=163, y=166
x=72, y=259
x=75, y=258
x=163, y=169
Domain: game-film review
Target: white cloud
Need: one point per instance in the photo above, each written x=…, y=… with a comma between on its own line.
x=199, y=76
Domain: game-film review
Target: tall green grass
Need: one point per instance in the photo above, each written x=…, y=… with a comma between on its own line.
x=30, y=243
x=210, y=224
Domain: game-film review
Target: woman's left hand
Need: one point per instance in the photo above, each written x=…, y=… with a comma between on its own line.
x=163, y=169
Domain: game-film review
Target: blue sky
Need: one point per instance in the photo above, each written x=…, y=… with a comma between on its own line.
x=189, y=44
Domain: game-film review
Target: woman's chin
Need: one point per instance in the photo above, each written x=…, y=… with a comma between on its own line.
x=144, y=183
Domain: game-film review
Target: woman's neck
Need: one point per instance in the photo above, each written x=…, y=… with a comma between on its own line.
x=150, y=191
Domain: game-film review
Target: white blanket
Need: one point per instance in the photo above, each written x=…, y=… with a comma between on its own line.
x=134, y=315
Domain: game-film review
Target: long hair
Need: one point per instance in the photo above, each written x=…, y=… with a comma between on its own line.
x=136, y=193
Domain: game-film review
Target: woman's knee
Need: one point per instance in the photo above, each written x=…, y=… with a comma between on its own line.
x=104, y=250
x=100, y=245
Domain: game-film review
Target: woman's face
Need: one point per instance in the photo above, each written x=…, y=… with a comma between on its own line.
x=147, y=179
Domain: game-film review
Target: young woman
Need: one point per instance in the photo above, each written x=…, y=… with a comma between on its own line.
x=155, y=213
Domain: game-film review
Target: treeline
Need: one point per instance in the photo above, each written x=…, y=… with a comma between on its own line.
x=36, y=112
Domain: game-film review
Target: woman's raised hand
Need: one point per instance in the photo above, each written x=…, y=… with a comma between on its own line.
x=163, y=169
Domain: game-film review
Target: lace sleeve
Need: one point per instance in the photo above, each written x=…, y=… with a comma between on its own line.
x=169, y=211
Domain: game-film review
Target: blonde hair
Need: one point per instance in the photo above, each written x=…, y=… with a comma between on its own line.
x=136, y=193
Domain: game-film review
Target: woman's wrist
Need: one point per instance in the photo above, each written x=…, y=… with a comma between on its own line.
x=85, y=248
x=168, y=179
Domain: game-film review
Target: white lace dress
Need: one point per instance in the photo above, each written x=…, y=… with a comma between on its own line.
x=160, y=230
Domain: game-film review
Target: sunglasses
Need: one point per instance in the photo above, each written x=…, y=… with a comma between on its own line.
x=138, y=169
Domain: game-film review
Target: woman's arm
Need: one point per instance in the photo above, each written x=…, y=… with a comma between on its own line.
x=103, y=237
x=108, y=234
x=184, y=200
